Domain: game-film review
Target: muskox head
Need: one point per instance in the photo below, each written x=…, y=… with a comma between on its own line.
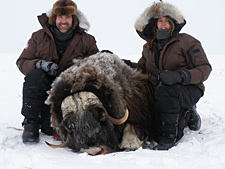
x=90, y=103
x=88, y=123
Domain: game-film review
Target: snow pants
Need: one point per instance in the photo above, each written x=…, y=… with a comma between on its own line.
x=172, y=115
x=36, y=84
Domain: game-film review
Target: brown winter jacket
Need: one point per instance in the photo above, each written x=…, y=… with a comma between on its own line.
x=183, y=52
x=41, y=46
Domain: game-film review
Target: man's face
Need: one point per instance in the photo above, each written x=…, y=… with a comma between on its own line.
x=64, y=22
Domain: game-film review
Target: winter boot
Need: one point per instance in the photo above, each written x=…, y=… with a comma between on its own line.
x=194, y=123
x=164, y=145
x=46, y=122
x=166, y=130
x=47, y=129
x=31, y=131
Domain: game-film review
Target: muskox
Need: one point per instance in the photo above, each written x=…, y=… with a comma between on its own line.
x=102, y=104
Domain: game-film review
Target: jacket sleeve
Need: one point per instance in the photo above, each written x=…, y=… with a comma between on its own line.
x=26, y=61
x=92, y=49
x=199, y=66
x=141, y=63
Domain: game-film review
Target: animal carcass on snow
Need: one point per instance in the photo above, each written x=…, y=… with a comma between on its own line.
x=100, y=103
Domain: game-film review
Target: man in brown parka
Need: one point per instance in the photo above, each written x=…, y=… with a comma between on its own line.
x=50, y=51
x=177, y=66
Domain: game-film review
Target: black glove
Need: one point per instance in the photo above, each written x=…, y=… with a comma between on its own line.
x=49, y=67
x=186, y=77
x=173, y=77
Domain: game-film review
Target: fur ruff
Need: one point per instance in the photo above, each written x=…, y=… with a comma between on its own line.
x=82, y=20
x=158, y=10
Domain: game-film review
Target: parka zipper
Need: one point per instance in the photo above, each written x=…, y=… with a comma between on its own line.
x=164, y=51
x=51, y=50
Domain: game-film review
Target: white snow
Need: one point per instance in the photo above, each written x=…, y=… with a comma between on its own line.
x=197, y=149
x=112, y=25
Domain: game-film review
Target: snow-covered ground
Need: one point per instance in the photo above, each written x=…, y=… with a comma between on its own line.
x=203, y=149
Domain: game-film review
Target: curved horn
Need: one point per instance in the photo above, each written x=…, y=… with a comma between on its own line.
x=64, y=144
x=119, y=121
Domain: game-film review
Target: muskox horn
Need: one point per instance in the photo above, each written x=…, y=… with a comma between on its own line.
x=79, y=102
x=64, y=144
x=119, y=121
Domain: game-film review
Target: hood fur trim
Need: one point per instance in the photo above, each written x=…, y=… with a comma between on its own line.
x=158, y=10
x=83, y=22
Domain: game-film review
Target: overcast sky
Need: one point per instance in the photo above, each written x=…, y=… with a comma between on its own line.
x=112, y=23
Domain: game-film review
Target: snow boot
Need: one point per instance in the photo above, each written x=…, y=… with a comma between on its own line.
x=166, y=130
x=31, y=131
x=46, y=122
x=163, y=146
x=47, y=129
x=194, y=123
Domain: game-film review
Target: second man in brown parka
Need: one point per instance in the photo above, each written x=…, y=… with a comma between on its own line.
x=50, y=51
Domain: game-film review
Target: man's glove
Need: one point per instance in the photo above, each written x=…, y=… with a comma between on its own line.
x=49, y=67
x=173, y=77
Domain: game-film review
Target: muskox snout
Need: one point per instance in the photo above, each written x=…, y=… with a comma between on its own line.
x=90, y=128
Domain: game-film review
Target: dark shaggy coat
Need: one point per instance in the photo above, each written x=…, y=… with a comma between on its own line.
x=116, y=85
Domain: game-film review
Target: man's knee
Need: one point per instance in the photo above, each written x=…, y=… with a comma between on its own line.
x=35, y=76
x=37, y=82
x=163, y=90
x=167, y=99
x=38, y=79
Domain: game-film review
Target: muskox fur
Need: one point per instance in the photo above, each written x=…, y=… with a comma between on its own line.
x=118, y=87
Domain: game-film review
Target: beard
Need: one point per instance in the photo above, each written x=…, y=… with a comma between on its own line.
x=63, y=27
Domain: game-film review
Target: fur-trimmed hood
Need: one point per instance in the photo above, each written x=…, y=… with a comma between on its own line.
x=148, y=18
x=83, y=22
